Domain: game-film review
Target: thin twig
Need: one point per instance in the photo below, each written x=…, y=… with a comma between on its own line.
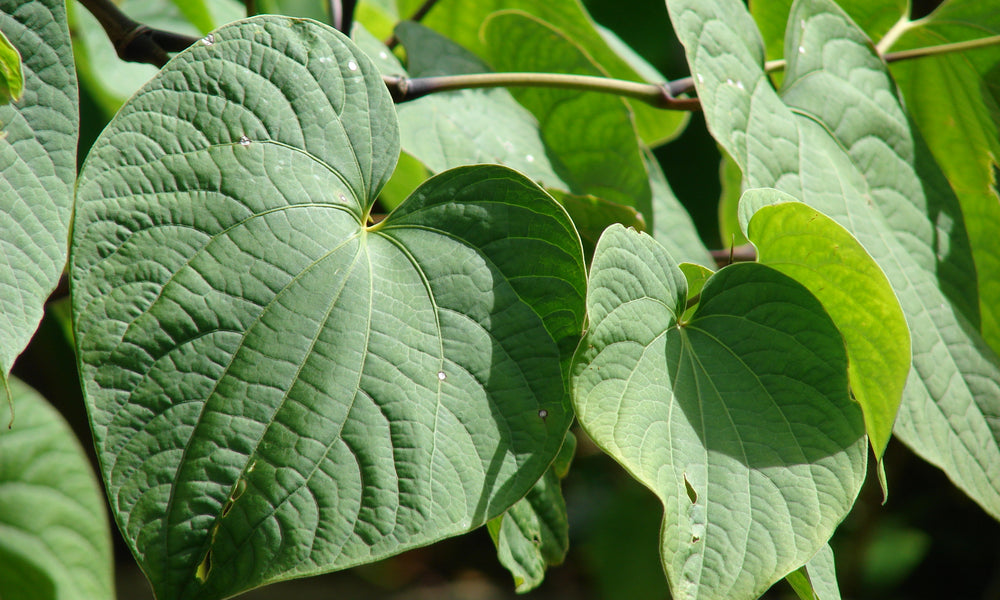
x=133, y=41
x=404, y=89
x=418, y=15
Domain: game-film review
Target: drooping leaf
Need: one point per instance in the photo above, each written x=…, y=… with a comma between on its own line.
x=817, y=579
x=37, y=170
x=278, y=388
x=534, y=533
x=739, y=420
x=814, y=250
x=11, y=72
x=461, y=20
x=947, y=98
x=838, y=139
x=55, y=541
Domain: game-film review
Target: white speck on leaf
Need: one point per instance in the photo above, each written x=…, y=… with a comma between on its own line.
x=543, y=413
x=442, y=376
x=802, y=49
x=529, y=158
x=353, y=66
x=244, y=140
x=208, y=40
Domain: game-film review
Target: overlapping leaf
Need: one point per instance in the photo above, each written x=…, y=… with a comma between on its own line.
x=55, y=541
x=37, y=169
x=534, y=533
x=461, y=21
x=739, y=419
x=278, y=387
x=948, y=99
x=838, y=139
x=603, y=157
x=814, y=250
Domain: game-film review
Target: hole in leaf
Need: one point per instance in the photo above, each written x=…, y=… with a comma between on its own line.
x=692, y=495
x=201, y=573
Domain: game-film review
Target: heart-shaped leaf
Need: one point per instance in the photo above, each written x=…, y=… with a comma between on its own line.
x=838, y=139
x=739, y=419
x=37, y=169
x=277, y=386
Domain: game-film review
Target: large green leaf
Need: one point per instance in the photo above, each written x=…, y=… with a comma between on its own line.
x=278, y=388
x=814, y=250
x=739, y=420
x=947, y=98
x=838, y=139
x=55, y=541
x=461, y=20
x=37, y=169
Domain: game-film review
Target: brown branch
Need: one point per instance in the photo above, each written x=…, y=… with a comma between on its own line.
x=133, y=41
x=404, y=89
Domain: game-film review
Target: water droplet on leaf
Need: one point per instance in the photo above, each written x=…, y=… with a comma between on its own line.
x=543, y=413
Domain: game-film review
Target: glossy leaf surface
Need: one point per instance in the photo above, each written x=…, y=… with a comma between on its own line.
x=739, y=419
x=277, y=387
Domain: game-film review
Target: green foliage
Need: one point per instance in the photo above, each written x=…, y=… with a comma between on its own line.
x=739, y=419
x=55, y=543
x=38, y=166
x=316, y=327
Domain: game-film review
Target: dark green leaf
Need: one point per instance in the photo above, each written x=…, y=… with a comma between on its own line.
x=277, y=387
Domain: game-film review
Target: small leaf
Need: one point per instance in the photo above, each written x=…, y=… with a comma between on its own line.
x=817, y=579
x=534, y=533
x=11, y=72
x=55, y=541
x=739, y=420
x=278, y=387
x=814, y=250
